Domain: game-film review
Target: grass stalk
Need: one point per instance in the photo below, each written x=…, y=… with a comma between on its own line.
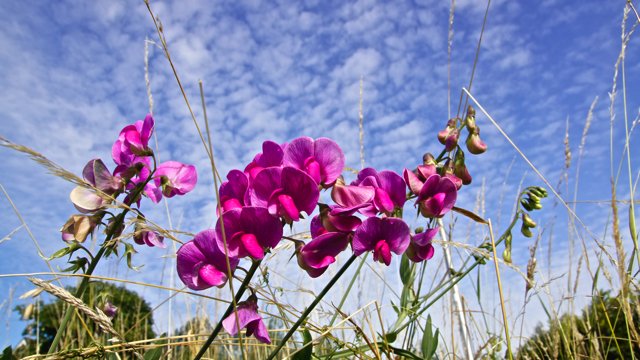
x=315, y=302
x=254, y=266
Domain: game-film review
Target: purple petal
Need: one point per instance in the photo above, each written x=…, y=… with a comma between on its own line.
x=273, y=205
x=394, y=185
x=349, y=196
x=290, y=210
x=447, y=187
x=207, y=243
x=426, y=236
x=147, y=130
x=183, y=177
x=298, y=151
x=316, y=228
x=321, y=251
x=433, y=206
x=302, y=189
x=153, y=192
x=364, y=173
x=412, y=180
x=236, y=185
x=187, y=258
x=250, y=244
x=250, y=220
x=312, y=168
x=257, y=329
x=212, y=276
x=272, y=155
x=153, y=239
x=341, y=223
x=246, y=314
x=429, y=188
x=381, y=253
x=427, y=170
x=367, y=236
x=396, y=232
x=383, y=202
x=265, y=183
x=331, y=159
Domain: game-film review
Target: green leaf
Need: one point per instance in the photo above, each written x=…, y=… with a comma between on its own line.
x=404, y=353
x=156, y=353
x=305, y=354
x=429, y=341
x=407, y=270
x=7, y=354
x=129, y=251
x=71, y=247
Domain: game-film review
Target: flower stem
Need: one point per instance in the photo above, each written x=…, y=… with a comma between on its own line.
x=315, y=302
x=92, y=265
x=243, y=287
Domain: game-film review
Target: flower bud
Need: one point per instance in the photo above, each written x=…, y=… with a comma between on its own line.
x=526, y=205
x=533, y=197
x=528, y=222
x=442, y=135
x=452, y=140
x=460, y=169
x=474, y=144
x=447, y=171
x=506, y=255
x=428, y=159
x=525, y=231
x=78, y=227
x=508, y=239
x=470, y=119
x=419, y=230
x=110, y=310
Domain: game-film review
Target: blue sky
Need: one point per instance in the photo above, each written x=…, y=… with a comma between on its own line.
x=73, y=76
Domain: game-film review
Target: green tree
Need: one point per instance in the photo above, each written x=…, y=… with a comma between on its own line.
x=133, y=320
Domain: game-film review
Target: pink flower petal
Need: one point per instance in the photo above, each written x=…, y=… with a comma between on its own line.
x=212, y=276
x=412, y=180
x=290, y=210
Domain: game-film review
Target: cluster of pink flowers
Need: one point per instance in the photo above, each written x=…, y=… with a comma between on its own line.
x=134, y=175
x=285, y=181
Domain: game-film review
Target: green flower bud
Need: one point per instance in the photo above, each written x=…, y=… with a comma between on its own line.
x=542, y=190
x=525, y=231
x=506, y=255
x=428, y=159
x=508, y=239
x=470, y=119
x=474, y=144
x=526, y=205
x=534, y=198
x=528, y=222
x=419, y=230
x=536, y=192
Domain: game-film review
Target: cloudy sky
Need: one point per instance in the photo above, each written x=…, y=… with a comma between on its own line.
x=73, y=75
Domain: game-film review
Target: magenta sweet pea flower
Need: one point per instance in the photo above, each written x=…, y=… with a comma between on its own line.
x=249, y=232
x=389, y=191
x=233, y=192
x=351, y=196
x=175, y=178
x=420, y=248
x=436, y=197
x=316, y=256
x=134, y=139
x=322, y=159
x=247, y=317
x=271, y=156
x=96, y=174
x=383, y=236
x=333, y=218
x=286, y=192
x=145, y=237
x=202, y=264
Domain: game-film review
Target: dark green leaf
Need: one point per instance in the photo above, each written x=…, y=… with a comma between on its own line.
x=429, y=341
x=305, y=354
x=7, y=354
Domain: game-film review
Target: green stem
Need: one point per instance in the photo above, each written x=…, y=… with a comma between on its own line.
x=315, y=302
x=344, y=297
x=94, y=262
x=243, y=287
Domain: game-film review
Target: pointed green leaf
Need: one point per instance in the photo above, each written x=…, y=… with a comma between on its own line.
x=7, y=354
x=305, y=354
